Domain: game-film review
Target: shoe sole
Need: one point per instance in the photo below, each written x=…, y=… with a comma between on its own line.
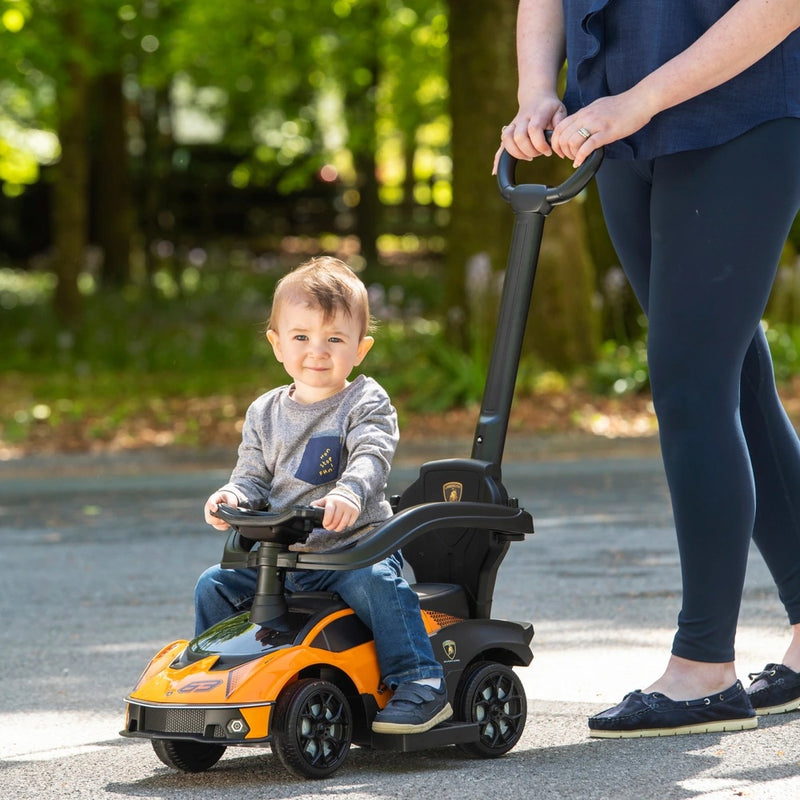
x=407, y=727
x=781, y=709
x=705, y=727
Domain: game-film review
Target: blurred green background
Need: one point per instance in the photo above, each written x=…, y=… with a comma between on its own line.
x=163, y=162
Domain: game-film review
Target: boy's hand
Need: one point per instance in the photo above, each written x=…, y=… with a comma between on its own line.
x=212, y=504
x=340, y=513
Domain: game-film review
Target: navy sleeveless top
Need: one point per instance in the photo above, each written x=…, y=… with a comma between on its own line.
x=613, y=44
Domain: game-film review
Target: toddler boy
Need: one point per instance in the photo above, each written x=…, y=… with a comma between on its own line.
x=323, y=440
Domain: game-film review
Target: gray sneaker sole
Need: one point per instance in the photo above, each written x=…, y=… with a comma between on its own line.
x=406, y=727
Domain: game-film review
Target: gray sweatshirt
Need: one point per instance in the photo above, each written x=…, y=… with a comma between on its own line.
x=293, y=453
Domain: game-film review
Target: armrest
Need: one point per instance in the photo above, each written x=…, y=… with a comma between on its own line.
x=407, y=525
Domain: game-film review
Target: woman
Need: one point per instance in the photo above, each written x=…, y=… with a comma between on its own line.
x=698, y=108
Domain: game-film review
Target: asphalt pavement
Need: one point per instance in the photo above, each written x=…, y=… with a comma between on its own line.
x=98, y=557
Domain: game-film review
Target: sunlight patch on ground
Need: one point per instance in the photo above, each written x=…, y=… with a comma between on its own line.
x=726, y=788
x=574, y=663
x=45, y=735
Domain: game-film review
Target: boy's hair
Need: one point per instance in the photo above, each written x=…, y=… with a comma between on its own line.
x=325, y=283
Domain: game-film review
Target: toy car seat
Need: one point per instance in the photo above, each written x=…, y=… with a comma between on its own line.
x=455, y=567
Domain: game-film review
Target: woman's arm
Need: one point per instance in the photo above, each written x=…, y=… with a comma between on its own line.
x=744, y=35
x=541, y=50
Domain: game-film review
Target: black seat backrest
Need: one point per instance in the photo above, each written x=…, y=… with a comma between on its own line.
x=468, y=557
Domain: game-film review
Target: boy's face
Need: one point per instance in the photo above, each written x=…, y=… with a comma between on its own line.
x=318, y=353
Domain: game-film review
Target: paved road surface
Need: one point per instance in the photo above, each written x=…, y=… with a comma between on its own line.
x=98, y=558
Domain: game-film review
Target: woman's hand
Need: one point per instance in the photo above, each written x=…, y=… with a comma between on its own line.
x=523, y=137
x=602, y=122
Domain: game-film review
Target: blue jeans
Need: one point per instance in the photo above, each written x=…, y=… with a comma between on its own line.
x=378, y=594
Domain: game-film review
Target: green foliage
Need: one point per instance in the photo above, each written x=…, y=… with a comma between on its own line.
x=784, y=344
x=185, y=324
x=199, y=333
x=289, y=84
x=620, y=368
x=421, y=371
x=289, y=87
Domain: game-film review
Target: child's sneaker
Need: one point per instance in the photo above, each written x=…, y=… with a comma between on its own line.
x=414, y=708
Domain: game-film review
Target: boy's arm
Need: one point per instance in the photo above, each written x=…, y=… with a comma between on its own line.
x=212, y=504
x=340, y=512
x=358, y=494
x=371, y=442
x=250, y=479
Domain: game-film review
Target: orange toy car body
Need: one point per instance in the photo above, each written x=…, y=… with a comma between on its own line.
x=305, y=678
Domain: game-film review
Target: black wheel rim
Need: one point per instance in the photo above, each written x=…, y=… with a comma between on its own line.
x=323, y=729
x=498, y=710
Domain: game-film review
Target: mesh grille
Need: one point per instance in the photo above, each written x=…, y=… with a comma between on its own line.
x=174, y=720
x=441, y=619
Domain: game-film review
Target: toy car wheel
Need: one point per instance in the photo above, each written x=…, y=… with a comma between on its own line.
x=493, y=696
x=313, y=728
x=188, y=756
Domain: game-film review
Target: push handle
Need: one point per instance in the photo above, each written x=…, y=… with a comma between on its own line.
x=531, y=203
x=553, y=195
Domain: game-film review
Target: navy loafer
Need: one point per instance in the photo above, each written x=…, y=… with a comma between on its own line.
x=774, y=690
x=654, y=714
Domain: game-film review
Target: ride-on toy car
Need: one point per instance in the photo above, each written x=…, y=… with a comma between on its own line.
x=299, y=671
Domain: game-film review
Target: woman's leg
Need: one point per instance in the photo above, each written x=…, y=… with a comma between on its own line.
x=775, y=454
x=626, y=190
x=701, y=256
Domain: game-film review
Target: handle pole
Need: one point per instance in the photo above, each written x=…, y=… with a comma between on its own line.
x=531, y=203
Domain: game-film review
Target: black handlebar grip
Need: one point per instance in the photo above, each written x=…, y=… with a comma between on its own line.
x=555, y=195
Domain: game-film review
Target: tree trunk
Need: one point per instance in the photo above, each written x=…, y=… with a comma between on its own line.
x=368, y=214
x=112, y=206
x=155, y=199
x=360, y=111
x=482, y=78
x=563, y=329
x=361, y=117
x=564, y=324
x=70, y=205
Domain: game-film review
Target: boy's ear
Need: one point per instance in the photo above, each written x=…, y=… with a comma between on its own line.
x=364, y=346
x=275, y=341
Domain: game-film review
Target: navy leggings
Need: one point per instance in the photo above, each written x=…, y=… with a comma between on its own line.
x=699, y=235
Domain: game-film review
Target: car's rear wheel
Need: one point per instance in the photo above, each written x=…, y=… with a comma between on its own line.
x=493, y=696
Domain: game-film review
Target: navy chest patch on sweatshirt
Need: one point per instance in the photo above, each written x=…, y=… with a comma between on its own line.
x=320, y=462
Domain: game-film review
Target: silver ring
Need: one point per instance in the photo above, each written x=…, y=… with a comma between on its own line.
x=583, y=132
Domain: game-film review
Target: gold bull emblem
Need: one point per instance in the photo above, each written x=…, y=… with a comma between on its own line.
x=452, y=491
